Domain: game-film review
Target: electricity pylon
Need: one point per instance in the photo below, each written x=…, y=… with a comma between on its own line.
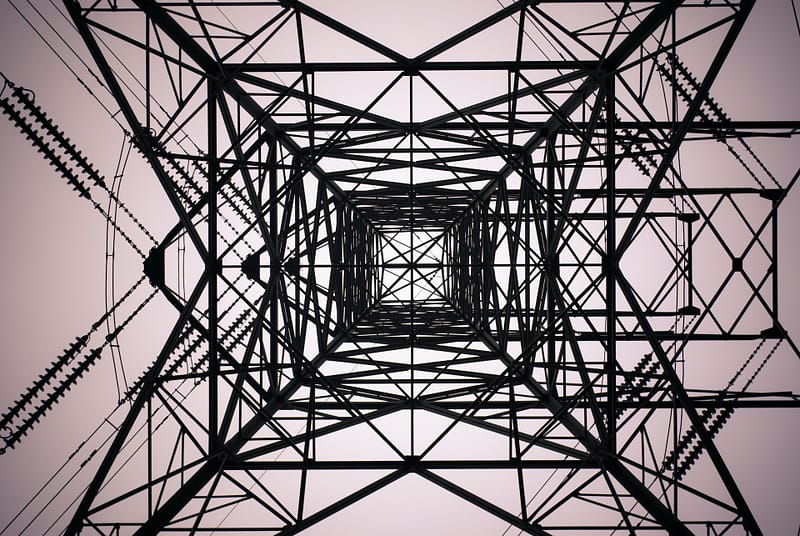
x=494, y=238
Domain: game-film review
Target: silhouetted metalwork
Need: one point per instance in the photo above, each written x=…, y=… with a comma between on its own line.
x=392, y=257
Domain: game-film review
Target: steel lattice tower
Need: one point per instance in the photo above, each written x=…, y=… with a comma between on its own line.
x=439, y=265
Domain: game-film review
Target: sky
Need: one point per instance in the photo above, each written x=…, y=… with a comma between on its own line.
x=54, y=260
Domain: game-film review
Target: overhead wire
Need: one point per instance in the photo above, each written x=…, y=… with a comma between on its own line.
x=91, y=72
x=109, y=310
x=63, y=60
x=127, y=69
x=85, y=462
x=230, y=333
x=113, y=328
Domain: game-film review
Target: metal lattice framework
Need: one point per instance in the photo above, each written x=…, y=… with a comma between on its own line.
x=437, y=265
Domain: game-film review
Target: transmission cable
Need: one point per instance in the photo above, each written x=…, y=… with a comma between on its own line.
x=64, y=61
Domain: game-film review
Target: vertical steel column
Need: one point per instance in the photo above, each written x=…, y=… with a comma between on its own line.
x=774, y=264
x=413, y=338
x=611, y=266
x=274, y=263
x=212, y=269
x=529, y=318
x=551, y=257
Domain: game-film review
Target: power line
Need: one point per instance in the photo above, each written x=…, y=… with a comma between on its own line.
x=63, y=60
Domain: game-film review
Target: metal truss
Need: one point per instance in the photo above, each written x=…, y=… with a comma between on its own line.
x=395, y=253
